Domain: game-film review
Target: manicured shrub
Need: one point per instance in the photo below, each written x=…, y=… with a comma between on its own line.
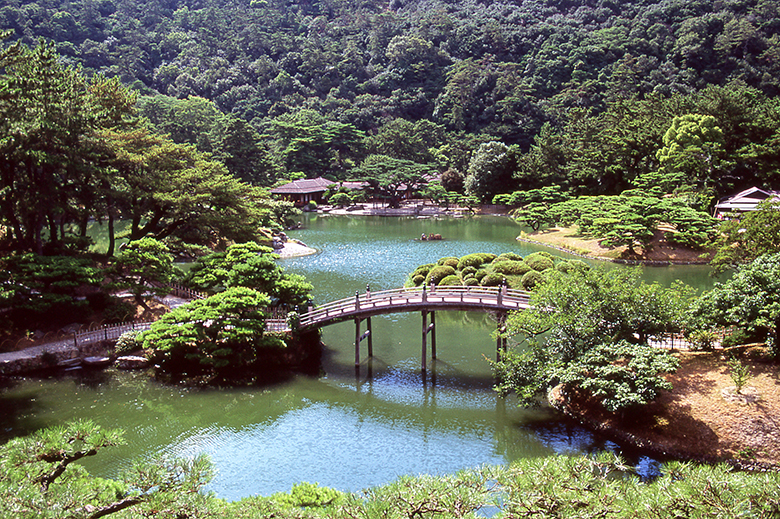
x=531, y=280
x=579, y=264
x=564, y=266
x=451, y=280
x=475, y=260
x=471, y=282
x=479, y=274
x=418, y=280
x=438, y=273
x=508, y=256
x=511, y=267
x=451, y=261
x=492, y=280
x=423, y=270
x=539, y=261
x=515, y=282
x=468, y=271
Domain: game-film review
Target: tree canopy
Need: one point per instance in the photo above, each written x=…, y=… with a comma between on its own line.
x=588, y=329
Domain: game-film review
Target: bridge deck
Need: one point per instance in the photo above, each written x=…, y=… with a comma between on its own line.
x=499, y=299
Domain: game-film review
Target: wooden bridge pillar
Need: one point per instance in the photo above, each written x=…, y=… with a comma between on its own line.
x=500, y=341
x=368, y=334
x=424, y=336
x=426, y=329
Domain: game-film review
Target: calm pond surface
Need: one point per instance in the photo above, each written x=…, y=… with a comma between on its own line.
x=340, y=429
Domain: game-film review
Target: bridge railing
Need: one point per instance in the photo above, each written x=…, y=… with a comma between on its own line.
x=489, y=296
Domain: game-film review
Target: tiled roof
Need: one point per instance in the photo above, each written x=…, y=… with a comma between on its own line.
x=303, y=186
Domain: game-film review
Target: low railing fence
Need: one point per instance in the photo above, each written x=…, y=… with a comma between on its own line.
x=490, y=296
x=107, y=332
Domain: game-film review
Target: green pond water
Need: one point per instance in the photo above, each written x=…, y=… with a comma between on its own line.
x=341, y=429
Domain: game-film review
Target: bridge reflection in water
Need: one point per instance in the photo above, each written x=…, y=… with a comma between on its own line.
x=498, y=300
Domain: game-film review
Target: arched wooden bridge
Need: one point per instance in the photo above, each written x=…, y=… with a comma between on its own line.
x=499, y=300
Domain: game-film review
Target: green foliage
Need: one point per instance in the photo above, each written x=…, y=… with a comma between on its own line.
x=539, y=261
x=702, y=339
x=739, y=373
x=621, y=375
x=492, y=279
x=476, y=260
x=749, y=300
x=307, y=495
x=37, y=287
x=438, y=273
x=41, y=479
x=490, y=171
x=340, y=200
x=222, y=333
x=581, y=315
x=511, y=267
x=531, y=280
x=145, y=268
x=249, y=265
x=744, y=239
x=451, y=280
x=128, y=342
x=452, y=261
x=692, y=151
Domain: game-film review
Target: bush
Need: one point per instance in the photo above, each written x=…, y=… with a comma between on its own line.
x=492, y=280
x=564, y=266
x=468, y=271
x=579, y=264
x=451, y=280
x=531, y=280
x=450, y=261
x=475, y=260
x=471, y=282
x=511, y=267
x=128, y=342
x=539, y=261
x=438, y=273
x=423, y=270
x=479, y=274
x=418, y=280
x=702, y=340
x=509, y=256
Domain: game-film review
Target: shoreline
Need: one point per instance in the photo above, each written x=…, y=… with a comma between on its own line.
x=592, y=250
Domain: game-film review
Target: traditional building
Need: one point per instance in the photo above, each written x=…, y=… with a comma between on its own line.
x=305, y=190
x=747, y=200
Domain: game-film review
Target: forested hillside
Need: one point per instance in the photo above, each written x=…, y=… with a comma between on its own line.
x=581, y=92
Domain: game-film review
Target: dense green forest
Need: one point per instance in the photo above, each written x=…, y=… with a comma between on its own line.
x=580, y=92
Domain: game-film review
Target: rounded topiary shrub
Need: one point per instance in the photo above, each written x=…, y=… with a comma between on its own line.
x=451, y=280
x=564, y=266
x=423, y=270
x=509, y=256
x=539, y=261
x=471, y=282
x=452, y=261
x=479, y=274
x=579, y=264
x=511, y=267
x=418, y=280
x=515, y=282
x=438, y=273
x=475, y=260
x=531, y=280
x=492, y=280
x=468, y=271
